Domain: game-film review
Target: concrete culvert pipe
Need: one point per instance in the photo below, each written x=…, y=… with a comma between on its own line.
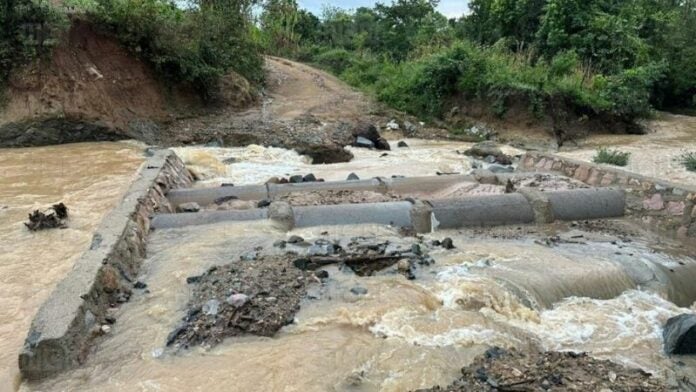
x=394, y=213
x=592, y=203
x=425, y=184
x=207, y=196
x=489, y=210
x=275, y=190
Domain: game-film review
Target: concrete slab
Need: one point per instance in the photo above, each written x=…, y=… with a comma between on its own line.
x=64, y=326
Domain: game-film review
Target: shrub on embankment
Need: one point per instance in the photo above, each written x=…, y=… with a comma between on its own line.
x=569, y=61
x=424, y=86
x=195, y=45
x=611, y=157
x=28, y=30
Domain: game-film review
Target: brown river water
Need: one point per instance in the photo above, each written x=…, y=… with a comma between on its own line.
x=89, y=178
x=402, y=335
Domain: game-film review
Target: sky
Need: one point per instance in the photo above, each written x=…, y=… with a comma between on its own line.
x=449, y=8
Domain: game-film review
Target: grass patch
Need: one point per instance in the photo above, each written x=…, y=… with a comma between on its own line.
x=611, y=157
x=688, y=160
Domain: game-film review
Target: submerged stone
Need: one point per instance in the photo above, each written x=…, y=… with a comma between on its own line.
x=358, y=290
x=679, y=335
x=363, y=142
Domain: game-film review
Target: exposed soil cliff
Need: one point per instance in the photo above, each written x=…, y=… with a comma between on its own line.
x=91, y=88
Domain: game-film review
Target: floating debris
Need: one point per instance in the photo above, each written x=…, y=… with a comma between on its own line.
x=52, y=218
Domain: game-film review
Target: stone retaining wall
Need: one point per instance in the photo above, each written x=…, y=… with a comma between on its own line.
x=660, y=204
x=69, y=321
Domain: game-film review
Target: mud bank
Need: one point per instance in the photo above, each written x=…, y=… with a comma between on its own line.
x=72, y=317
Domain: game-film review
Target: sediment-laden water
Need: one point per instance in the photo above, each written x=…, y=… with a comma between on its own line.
x=402, y=335
x=603, y=295
x=89, y=178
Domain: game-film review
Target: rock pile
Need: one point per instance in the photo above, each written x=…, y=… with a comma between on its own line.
x=256, y=296
x=502, y=370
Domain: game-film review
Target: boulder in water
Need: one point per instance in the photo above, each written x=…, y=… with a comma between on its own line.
x=488, y=151
x=358, y=290
x=679, y=335
x=367, y=136
x=497, y=168
x=224, y=199
x=382, y=144
x=353, y=177
x=363, y=142
x=484, y=149
x=188, y=207
x=402, y=144
x=296, y=179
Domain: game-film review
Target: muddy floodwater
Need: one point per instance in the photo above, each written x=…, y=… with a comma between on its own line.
x=256, y=164
x=403, y=334
x=655, y=154
x=89, y=178
x=605, y=293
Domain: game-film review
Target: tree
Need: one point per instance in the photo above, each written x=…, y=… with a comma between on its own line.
x=399, y=24
x=278, y=21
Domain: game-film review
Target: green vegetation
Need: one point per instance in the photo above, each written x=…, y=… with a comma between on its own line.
x=195, y=44
x=611, y=157
x=611, y=59
x=28, y=29
x=688, y=160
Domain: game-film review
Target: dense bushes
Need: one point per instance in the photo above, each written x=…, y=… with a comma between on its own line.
x=423, y=86
x=613, y=59
x=195, y=45
x=28, y=29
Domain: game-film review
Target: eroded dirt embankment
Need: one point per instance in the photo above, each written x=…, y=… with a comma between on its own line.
x=91, y=88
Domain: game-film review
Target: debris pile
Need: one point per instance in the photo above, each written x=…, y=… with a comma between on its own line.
x=52, y=218
x=366, y=256
x=502, y=370
x=253, y=296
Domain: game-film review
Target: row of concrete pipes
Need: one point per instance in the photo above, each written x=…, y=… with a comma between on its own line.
x=525, y=206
